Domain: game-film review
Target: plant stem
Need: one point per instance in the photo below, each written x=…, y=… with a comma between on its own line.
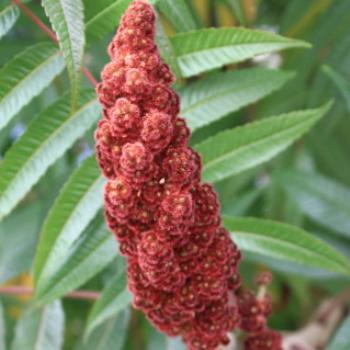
x=50, y=34
x=26, y=291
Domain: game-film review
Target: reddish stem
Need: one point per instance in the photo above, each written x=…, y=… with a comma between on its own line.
x=26, y=291
x=50, y=34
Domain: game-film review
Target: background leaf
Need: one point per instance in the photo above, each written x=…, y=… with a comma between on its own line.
x=44, y=141
x=40, y=329
x=208, y=100
x=106, y=20
x=285, y=242
x=25, y=76
x=238, y=10
x=342, y=84
x=341, y=340
x=206, y=49
x=74, y=208
x=236, y=150
x=8, y=17
x=115, y=298
x=109, y=335
x=18, y=237
x=92, y=252
x=67, y=19
x=179, y=14
x=321, y=199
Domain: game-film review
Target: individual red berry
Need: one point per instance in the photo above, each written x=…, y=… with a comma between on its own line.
x=125, y=118
x=157, y=130
x=266, y=340
x=135, y=157
x=176, y=210
x=181, y=165
x=181, y=133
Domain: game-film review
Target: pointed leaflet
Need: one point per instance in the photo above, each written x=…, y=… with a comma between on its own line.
x=67, y=19
x=74, y=208
x=106, y=20
x=166, y=50
x=40, y=329
x=8, y=17
x=114, y=299
x=321, y=199
x=92, y=252
x=206, y=49
x=208, y=100
x=238, y=10
x=179, y=14
x=25, y=76
x=341, y=340
x=45, y=140
x=285, y=242
x=342, y=84
x=233, y=151
x=18, y=237
x=109, y=335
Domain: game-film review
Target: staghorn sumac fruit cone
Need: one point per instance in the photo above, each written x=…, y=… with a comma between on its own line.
x=182, y=264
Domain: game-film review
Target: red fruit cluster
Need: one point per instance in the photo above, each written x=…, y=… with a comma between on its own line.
x=254, y=311
x=182, y=265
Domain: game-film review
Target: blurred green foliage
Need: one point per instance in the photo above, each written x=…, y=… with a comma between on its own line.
x=307, y=186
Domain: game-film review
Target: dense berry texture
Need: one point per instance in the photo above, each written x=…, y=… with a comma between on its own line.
x=254, y=311
x=182, y=265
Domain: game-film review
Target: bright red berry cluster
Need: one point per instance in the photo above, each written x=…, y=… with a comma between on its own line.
x=182, y=265
x=254, y=311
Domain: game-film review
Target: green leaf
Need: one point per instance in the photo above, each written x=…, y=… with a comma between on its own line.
x=208, y=100
x=166, y=50
x=285, y=242
x=109, y=335
x=17, y=248
x=321, y=199
x=67, y=19
x=233, y=151
x=114, y=299
x=8, y=17
x=179, y=14
x=25, y=76
x=40, y=329
x=339, y=81
x=240, y=205
x=105, y=20
x=206, y=49
x=76, y=205
x=45, y=140
x=92, y=252
x=341, y=340
x=2, y=329
x=238, y=10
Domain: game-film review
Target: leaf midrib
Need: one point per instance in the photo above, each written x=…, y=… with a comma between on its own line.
x=323, y=196
x=277, y=240
x=101, y=13
x=70, y=48
x=256, y=141
x=66, y=223
x=284, y=42
x=223, y=93
x=55, y=132
x=77, y=263
x=32, y=72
